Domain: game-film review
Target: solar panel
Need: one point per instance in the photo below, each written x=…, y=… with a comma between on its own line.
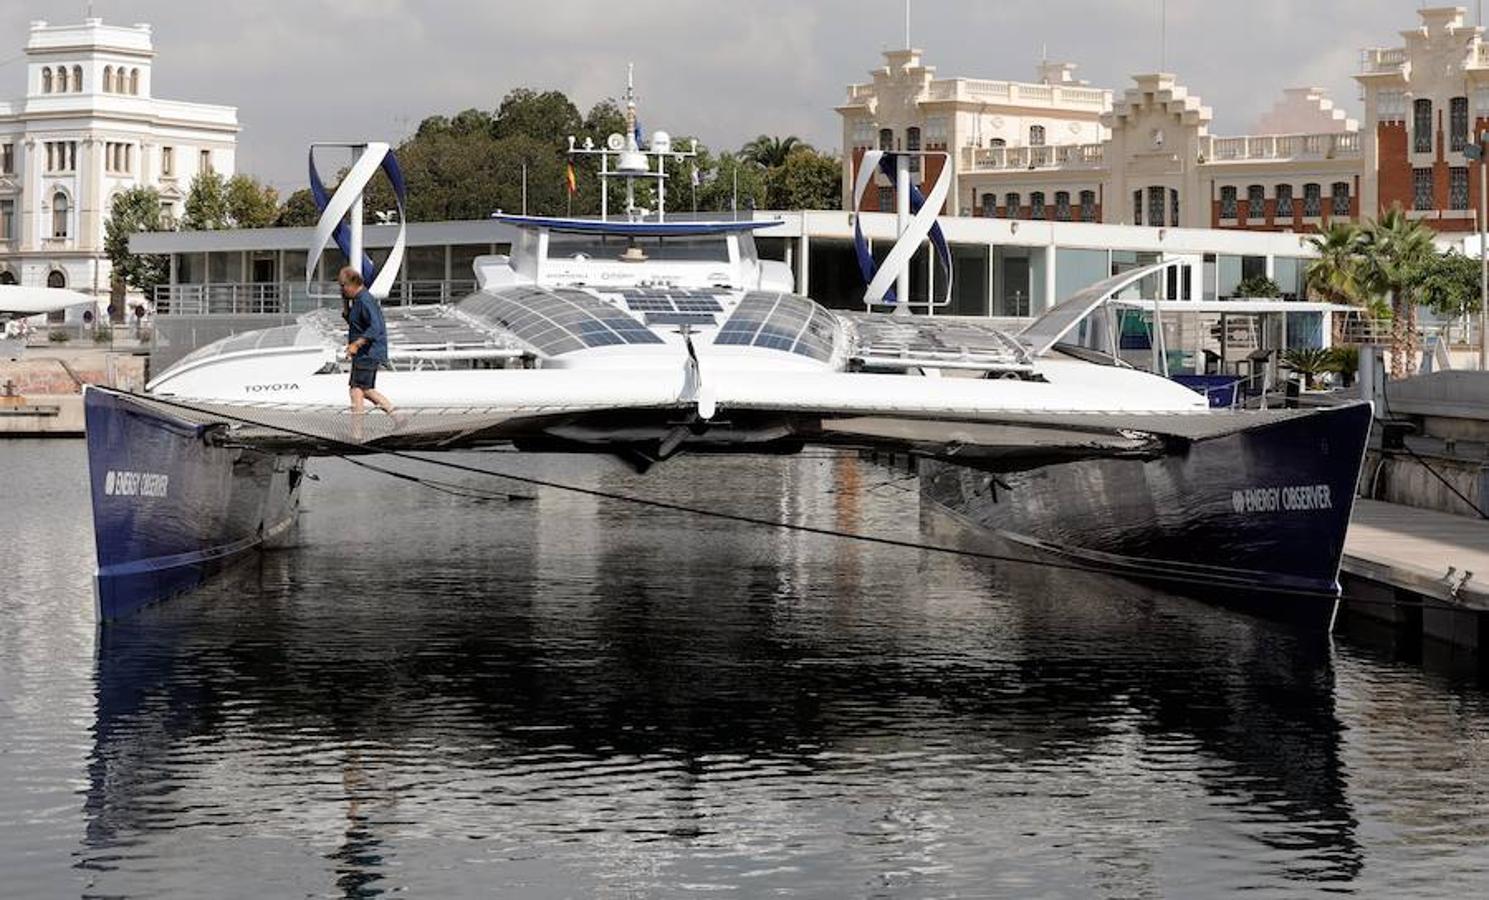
x=783, y=322
x=558, y=321
x=655, y=300
x=680, y=318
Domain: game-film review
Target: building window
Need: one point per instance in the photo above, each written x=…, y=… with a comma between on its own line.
x=912, y=145
x=7, y=277
x=1036, y=205
x=1062, y=206
x=863, y=134
x=1313, y=200
x=59, y=215
x=1227, y=203
x=937, y=131
x=204, y=162
x=886, y=199
x=989, y=205
x=1421, y=126
x=7, y=219
x=108, y=79
x=1156, y=197
x=62, y=156
x=886, y=139
x=168, y=161
x=1284, y=201
x=1457, y=123
x=1458, y=187
x=1173, y=207
x=1137, y=207
x=1036, y=135
x=1339, y=192
x=121, y=82
x=1421, y=189
x=1256, y=203
x=996, y=142
x=1088, y=206
x=77, y=79
x=7, y=159
x=62, y=80
x=134, y=81
x=56, y=279
x=1012, y=202
x=46, y=80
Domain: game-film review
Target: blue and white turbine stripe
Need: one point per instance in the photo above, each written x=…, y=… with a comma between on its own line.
x=332, y=225
x=923, y=209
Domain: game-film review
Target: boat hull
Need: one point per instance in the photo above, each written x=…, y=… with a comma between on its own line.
x=1255, y=518
x=173, y=502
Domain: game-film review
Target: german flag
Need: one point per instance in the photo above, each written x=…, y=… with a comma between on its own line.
x=569, y=180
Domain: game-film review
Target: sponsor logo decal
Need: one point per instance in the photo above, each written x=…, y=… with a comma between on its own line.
x=1295, y=498
x=279, y=386
x=136, y=484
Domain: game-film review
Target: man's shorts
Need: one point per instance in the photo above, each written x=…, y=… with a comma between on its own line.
x=364, y=374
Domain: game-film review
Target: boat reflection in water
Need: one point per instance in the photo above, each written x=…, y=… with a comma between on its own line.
x=612, y=698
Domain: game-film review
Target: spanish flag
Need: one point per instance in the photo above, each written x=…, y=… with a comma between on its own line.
x=569, y=180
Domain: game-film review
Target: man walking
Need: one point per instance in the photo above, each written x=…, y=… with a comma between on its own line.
x=366, y=339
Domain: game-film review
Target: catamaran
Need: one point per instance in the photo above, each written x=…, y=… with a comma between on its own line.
x=646, y=338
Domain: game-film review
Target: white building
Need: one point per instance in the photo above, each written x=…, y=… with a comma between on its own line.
x=87, y=128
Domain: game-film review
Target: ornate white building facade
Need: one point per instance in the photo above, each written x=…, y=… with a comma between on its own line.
x=87, y=128
x=1060, y=150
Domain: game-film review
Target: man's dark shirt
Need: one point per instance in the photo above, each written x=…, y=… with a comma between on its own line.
x=364, y=319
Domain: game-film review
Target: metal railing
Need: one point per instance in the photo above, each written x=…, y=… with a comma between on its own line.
x=290, y=297
x=1382, y=59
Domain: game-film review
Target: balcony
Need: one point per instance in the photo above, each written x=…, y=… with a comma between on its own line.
x=1382, y=60
x=1060, y=156
x=1279, y=147
x=1052, y=96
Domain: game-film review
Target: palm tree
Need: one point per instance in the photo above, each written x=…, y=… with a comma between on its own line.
x=1395, y=251
x=1335, y=276
x=769, y=152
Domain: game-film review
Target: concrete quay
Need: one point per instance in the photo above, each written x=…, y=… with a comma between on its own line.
x=41, y=390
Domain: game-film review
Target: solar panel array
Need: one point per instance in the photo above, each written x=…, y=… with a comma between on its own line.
x=558, y=320
x=781, y=322
x=658, y=300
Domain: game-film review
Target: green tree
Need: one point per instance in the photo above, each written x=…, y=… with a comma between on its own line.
x=547, y=117
x=250, y=204
x=1396, y=252
x=206, y=207
x=299, y=209
x=806, y=180
x=1336, y=275
x=134, y=211
x=718, y=191
x=771, y=152
x=1449, y=285
x=1258, y=287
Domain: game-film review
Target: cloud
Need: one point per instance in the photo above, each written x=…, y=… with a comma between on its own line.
x=725, y=71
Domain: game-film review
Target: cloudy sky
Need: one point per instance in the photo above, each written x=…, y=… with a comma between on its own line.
x=724, y=70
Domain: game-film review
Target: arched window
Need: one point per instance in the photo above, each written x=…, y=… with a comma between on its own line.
x=1340, y=195
x=1036, y=135
x=1062, y=206
x=1155, y=206
x=59, y=215
x=56, y=279
x=1313, y=200
x=77, y=79
x=997, y=142
x=108, y=79
x=134, y=81
x=1256, y=202
x=989, y=205
x=886, y=139
x=7, y=277
x=120, y=84
x=62, y=79
x=1421, y=126
x=1036, y=205
x=1012, y=202
x=46, y=80
x=1227, y=203
x=1284, y=201
x=1088, y=206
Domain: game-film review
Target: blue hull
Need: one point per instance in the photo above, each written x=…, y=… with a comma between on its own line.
x=172, y=503
x=1254, y=518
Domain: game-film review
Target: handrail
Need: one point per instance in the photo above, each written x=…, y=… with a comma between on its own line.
x=290, y=298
